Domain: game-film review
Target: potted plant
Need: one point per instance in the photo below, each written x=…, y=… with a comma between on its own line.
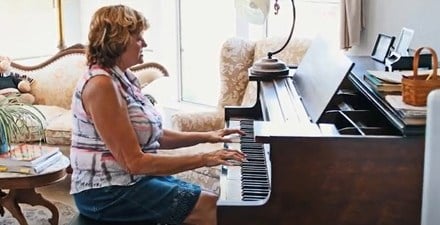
x=18, y=121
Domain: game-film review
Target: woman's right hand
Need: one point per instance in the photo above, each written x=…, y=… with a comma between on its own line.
x=224, y=157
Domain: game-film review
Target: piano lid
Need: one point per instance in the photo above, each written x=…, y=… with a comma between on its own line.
x=319, y=76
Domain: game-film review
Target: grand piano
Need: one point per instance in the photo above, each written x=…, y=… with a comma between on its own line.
x=323, y=149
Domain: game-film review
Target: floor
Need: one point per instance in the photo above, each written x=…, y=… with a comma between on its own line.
x=58, y=192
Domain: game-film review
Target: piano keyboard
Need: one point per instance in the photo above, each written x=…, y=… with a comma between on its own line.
x=248, y=184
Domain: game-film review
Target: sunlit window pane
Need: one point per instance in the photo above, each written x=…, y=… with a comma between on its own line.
x=205, y=26
x=313, y=17
x=21, y=36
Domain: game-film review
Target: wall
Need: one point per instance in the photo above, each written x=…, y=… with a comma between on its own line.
x=389, y=16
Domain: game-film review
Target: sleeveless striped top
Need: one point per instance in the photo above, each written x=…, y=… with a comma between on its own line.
x=93, y=164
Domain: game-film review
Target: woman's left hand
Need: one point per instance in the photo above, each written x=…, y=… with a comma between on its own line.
x=223, y=135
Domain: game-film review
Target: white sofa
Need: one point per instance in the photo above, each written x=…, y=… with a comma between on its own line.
x=53, y=84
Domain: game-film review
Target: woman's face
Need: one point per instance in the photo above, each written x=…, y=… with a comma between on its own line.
x=133, y=53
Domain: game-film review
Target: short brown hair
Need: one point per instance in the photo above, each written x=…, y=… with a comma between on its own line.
x=109, y=34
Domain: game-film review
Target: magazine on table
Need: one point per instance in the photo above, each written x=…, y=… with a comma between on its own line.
x=33, y=169
x=30, y=155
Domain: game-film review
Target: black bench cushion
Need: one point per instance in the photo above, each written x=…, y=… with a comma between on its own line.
x=83, y=220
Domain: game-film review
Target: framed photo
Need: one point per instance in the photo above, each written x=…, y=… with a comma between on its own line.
x=402, y=44
x=382, y=47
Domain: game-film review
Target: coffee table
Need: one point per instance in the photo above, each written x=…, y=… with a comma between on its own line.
x=22, y=190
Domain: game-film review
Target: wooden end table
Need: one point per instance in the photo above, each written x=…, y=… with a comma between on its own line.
x=22, y=190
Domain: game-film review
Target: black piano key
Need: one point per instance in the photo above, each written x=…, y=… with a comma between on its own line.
x=258, y=171
x=253, y=168
x=255, y=187
x=252, y=179
x=255, y=159
x=261, y=183
x=262, y=187
x=252, y=171
x=256, y=163
x=260, y=196
x=254, y=192
x=252, y=198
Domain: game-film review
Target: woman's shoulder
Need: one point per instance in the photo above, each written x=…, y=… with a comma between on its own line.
x=98, y=70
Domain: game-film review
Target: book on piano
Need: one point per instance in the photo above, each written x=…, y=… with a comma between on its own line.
x=382, y=85
x=411, y=115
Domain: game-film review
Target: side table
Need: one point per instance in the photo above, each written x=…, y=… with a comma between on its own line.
x=22, y=190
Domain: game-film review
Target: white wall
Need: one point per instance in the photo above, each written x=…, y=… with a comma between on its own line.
x=389, y=16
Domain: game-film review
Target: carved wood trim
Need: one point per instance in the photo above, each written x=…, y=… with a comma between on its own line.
x=81, y=49
x=74, y=49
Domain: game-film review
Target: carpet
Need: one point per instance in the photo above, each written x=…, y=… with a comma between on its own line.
x=39, y=215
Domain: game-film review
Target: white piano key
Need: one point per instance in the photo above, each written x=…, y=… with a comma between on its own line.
x=234, y=173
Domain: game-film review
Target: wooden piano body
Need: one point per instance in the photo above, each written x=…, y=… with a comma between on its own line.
x=357, y=164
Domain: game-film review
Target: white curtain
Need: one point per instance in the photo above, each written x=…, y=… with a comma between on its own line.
x=352, y=22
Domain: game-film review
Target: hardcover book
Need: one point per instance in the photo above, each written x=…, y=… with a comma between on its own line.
x=381, y=85
x=27, y=155
x=36, y=169
x=411, y=115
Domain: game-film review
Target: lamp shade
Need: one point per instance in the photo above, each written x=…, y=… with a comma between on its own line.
x=255, y=11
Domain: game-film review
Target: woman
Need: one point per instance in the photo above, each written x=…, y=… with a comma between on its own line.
x=116, y=174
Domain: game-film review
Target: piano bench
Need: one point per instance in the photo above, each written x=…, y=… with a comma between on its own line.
x=83, y=220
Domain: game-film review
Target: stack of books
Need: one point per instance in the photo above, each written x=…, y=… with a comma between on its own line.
x=381, y=84
x=410, y=115
x=390, y=82
x=29, y=159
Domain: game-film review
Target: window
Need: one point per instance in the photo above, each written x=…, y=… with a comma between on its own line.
x=204, y=26
x=313, y=17
x=201, y=41
x=21, y=37
x=185, y=35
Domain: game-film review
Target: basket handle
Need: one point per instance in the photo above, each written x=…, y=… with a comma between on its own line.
x=434, y=58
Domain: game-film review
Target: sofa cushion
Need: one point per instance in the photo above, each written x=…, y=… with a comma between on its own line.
x=59, y=130
x=50, y=113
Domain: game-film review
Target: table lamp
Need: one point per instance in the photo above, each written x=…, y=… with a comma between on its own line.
x=255, y=11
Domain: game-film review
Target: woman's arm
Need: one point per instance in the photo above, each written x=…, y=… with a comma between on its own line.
x=103, y=103
x=177, y=139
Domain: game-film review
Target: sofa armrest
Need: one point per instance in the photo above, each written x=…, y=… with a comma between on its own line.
x=148, y=72
x=198, y=121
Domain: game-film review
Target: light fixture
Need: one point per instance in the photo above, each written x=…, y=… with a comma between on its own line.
x=255, y=11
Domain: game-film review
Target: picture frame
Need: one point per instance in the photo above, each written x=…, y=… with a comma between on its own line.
x=382, y=47
x=404, y=40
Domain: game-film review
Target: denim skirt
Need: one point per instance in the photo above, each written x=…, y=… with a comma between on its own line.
x=162, y=199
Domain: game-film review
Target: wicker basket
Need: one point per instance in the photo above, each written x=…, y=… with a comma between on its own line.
x=415, y=88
